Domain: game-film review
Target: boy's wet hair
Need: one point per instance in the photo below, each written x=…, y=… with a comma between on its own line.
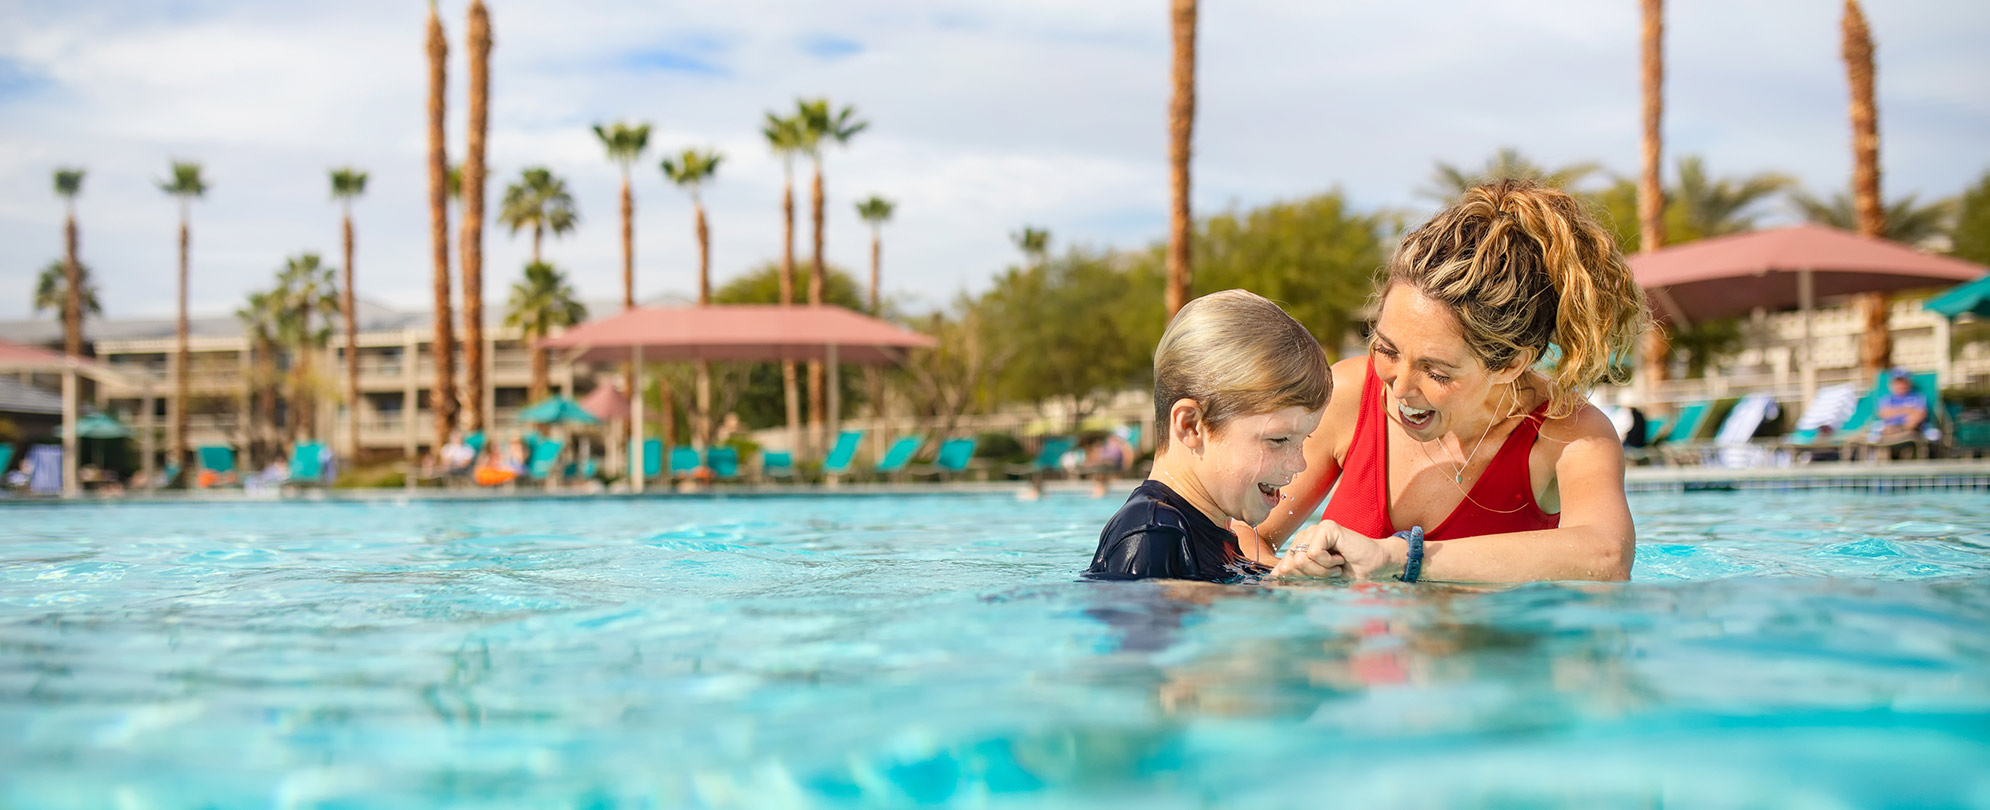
x=1237, y=354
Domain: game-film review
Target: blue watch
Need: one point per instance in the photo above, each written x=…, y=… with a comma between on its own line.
x=1412, y=564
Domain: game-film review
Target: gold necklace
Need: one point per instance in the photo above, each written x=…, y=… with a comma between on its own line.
x=1459, y=478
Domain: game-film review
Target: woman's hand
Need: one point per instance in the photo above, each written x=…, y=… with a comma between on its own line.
x=1312, y=554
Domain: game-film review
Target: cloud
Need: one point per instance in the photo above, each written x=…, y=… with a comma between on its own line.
x=984, y=118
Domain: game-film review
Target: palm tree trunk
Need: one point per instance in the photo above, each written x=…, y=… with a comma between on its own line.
x=628, y=270
x=1181, y=125
x=478, y=40
x=538, y=235
x=304, y=418
x=442, y=396
x=1651, y=192
x=347, y=304
x=181, y=356
x=266, y=391
x=817, y=378
x=877, y=259
x=790, y=385
x=72, y=299
x=702, y=425
x=541, y=378
x=1876, y=351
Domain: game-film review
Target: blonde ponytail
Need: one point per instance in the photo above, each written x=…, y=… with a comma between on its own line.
x=1523, y=267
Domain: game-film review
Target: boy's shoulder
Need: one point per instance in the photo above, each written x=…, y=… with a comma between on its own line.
x=1148, y=509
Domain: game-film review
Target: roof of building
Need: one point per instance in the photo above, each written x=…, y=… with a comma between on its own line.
x=20, y=397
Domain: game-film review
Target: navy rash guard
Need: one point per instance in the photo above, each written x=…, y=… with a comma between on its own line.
x=1158, y=535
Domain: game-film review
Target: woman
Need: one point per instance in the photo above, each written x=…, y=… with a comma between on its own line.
x=1446, y=427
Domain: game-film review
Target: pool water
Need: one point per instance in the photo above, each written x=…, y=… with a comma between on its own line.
x=1816, y=649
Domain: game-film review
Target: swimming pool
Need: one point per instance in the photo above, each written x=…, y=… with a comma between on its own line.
x=1818, y=649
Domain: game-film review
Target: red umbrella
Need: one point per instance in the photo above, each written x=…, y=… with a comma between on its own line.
x=1784, y=268
x=605, y=403
x=739, y=333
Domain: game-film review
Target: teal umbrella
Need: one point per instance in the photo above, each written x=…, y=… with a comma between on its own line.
x=1971, y=297
x=557, y=410
x=101, y=426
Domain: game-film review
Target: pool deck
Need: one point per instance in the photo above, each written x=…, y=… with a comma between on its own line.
x=1954, y=474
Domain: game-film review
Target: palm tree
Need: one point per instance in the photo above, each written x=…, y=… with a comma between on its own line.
x=876, y=211
x=1651, y=191
x=1877, y=349
x=1181, y=126
x=540, y=303
x=820, y=126
x=442, y=395
x=785, y=137
x=1447, y=182
x=52, y=289
x=539, y=200
x=477, y=38
x=626, y=143
x=305, y=288
x=262, y=319
x=186, y=186
x=1034, y=243
x=68, y=184
x=689, y=171
x=1723, y=206
x=347, y=185
x=1908, y=221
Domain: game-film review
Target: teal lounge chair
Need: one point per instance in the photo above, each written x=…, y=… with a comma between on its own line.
x=954, y=458
x=545, y=456
x=898, y=456
x=843, y=455
x=777, y=464
x=1931, y=392
x=220, y=459
x=1049, y=459
x=306, y=466
x=651, y=456
x=1688, y=422
x=6, y=458
x=723, y=461
x=683, y=461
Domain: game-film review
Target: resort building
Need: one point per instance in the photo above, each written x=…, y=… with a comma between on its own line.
x=396, y=372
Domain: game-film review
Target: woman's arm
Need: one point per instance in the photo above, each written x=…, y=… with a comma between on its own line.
x=1595, y=540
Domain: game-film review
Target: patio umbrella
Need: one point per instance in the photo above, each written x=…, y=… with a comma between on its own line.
x=101, y=426
x=606, y=403
x=1973, y=297
x=557, y=410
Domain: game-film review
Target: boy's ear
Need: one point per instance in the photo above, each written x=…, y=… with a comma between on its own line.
x=1184, y=423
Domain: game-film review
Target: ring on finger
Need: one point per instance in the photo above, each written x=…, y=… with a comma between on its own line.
x=1300, y=547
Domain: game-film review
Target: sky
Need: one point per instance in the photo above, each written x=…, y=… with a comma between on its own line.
x=984, y=117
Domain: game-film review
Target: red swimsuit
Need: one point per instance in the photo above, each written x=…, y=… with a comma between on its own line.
x=1501, y=501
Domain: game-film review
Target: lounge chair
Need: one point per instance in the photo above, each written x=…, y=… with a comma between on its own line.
x=723, y=461
x=898, y=456
x=6, y=458
x=954, y=458
x=1864, y=437
x=307, y=466
x=777, y=464
x=46, y=477
x=1733, y=447
x=220, y=460
x=684, y=462
x=1676, y=444
x=651, y=457
x=1820, y=429
x=1967, y=436
x=1049, y=459
x=545, y=458
x=842, y=456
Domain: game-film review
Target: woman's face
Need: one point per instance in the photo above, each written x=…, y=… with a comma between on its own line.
x=1249, y=459
x=1435, y=383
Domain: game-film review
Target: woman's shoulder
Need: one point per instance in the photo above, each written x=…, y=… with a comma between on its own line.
x=1586, y=422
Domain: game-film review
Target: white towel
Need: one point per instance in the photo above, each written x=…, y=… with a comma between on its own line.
x=1832, y=406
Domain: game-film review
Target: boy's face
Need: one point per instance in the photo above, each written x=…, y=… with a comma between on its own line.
x=1245, y=463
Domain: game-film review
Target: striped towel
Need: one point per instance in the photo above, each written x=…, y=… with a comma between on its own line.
x=47, y=477
x=1832, y=406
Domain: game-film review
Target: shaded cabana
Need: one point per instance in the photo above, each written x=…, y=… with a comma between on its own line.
x=737, y=333
x=16, y=358
x=1783, y=268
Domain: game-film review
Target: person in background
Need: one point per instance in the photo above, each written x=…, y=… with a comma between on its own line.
x=1902, y=413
